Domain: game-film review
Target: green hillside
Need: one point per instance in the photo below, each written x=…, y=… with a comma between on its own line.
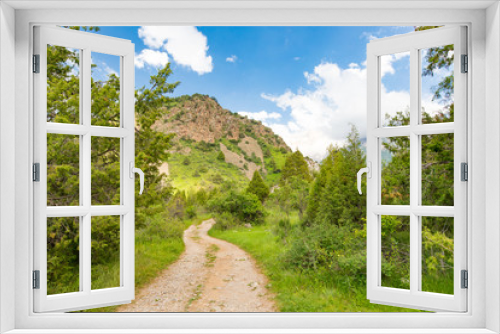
x=213, y=146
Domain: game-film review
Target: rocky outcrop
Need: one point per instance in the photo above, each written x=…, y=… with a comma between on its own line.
x=201, y=118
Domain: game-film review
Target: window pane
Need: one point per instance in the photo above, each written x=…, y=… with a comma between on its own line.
x=395, y=89
x=63, y=170
x=395, y=245
x=437, y=83
x=105, y=89
x=105, y=171
x=105, y=252
x=63, y=85
x=395, y=158
x=63, y=255
x=437, y=169
x=437, y=254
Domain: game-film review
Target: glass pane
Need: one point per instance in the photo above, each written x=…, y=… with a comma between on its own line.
x=63, y=170
x=63, y=85
x=437, y=254
x=437, y=84
x=105, y=171
x=105, y=252
x=395, y=89
x=437, y=169
x=395, y=169
x=395, y=246
x=105, y=89
x=63, y=255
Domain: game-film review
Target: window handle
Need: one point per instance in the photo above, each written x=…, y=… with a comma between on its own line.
x=141, y=175
x=368, y=171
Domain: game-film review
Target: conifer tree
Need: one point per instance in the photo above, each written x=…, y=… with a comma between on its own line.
x=258, y=187
x=221, y=156
x=295, y=165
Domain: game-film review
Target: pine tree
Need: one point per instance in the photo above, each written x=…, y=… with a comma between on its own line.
x=295, y=165
x=258, y=187
x=221, y=156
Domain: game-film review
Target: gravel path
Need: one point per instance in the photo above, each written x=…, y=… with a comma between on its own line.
x=212, y=275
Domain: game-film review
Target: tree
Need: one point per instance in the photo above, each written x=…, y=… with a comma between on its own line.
x=258, y=187
x=63, y=95
x=245, y=207
x=221, y=156
x=295, y=165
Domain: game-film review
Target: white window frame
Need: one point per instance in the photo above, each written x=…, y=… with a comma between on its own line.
x=484, y=50
x=86, y=43
x=414, y=297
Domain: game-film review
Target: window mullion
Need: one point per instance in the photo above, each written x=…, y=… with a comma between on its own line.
x=85, y=240
x=414, y=172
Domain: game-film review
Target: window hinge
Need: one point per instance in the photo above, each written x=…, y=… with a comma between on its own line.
x=465, y=64
x=465, y=279
x=36, y=63
x=464, y=172
x=36, y=279
x=36, y=172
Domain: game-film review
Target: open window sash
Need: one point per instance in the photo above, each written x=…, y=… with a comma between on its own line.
x=84, y=295
x=414, y=297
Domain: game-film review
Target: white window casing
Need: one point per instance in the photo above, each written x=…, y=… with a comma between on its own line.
x=484, y=43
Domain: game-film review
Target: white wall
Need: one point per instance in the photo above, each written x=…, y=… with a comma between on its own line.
x=7, y=163
x=492, y=164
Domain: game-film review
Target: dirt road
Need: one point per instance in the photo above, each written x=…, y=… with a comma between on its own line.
x=212, y=275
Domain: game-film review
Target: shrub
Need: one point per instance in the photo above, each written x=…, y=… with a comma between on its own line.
x=161, y=227
x=191, y=212
x=225, y=221
x=221, y=156
x=186, y=161
x=244, y=206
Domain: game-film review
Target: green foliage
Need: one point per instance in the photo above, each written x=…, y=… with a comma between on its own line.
x=245, y=206
x=295, y=165
x=258, y=187
x=292, y=195
x=221, y=156
x=226, y=221
x=186, y=161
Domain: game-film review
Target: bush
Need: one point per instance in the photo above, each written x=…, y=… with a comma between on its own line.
x=244, y=206
x=221, y=156
x=162, y=228
x=225, y=221
x=217, y=179
x=282, y=229
x=338, y=249
x=186, y=161
x=191, y=212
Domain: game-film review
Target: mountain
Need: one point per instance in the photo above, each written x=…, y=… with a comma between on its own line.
x=213, y=145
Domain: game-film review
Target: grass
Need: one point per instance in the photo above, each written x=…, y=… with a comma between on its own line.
x=298, y=291
x=203, y=171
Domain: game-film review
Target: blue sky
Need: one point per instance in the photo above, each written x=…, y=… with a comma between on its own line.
x=306, y=83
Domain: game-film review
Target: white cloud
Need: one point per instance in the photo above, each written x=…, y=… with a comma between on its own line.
x=387, y=61
x=152, y=58
x=321, y=114
x=232, y=59
x=186, y=45
x=262, y=115
x=296, y=58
